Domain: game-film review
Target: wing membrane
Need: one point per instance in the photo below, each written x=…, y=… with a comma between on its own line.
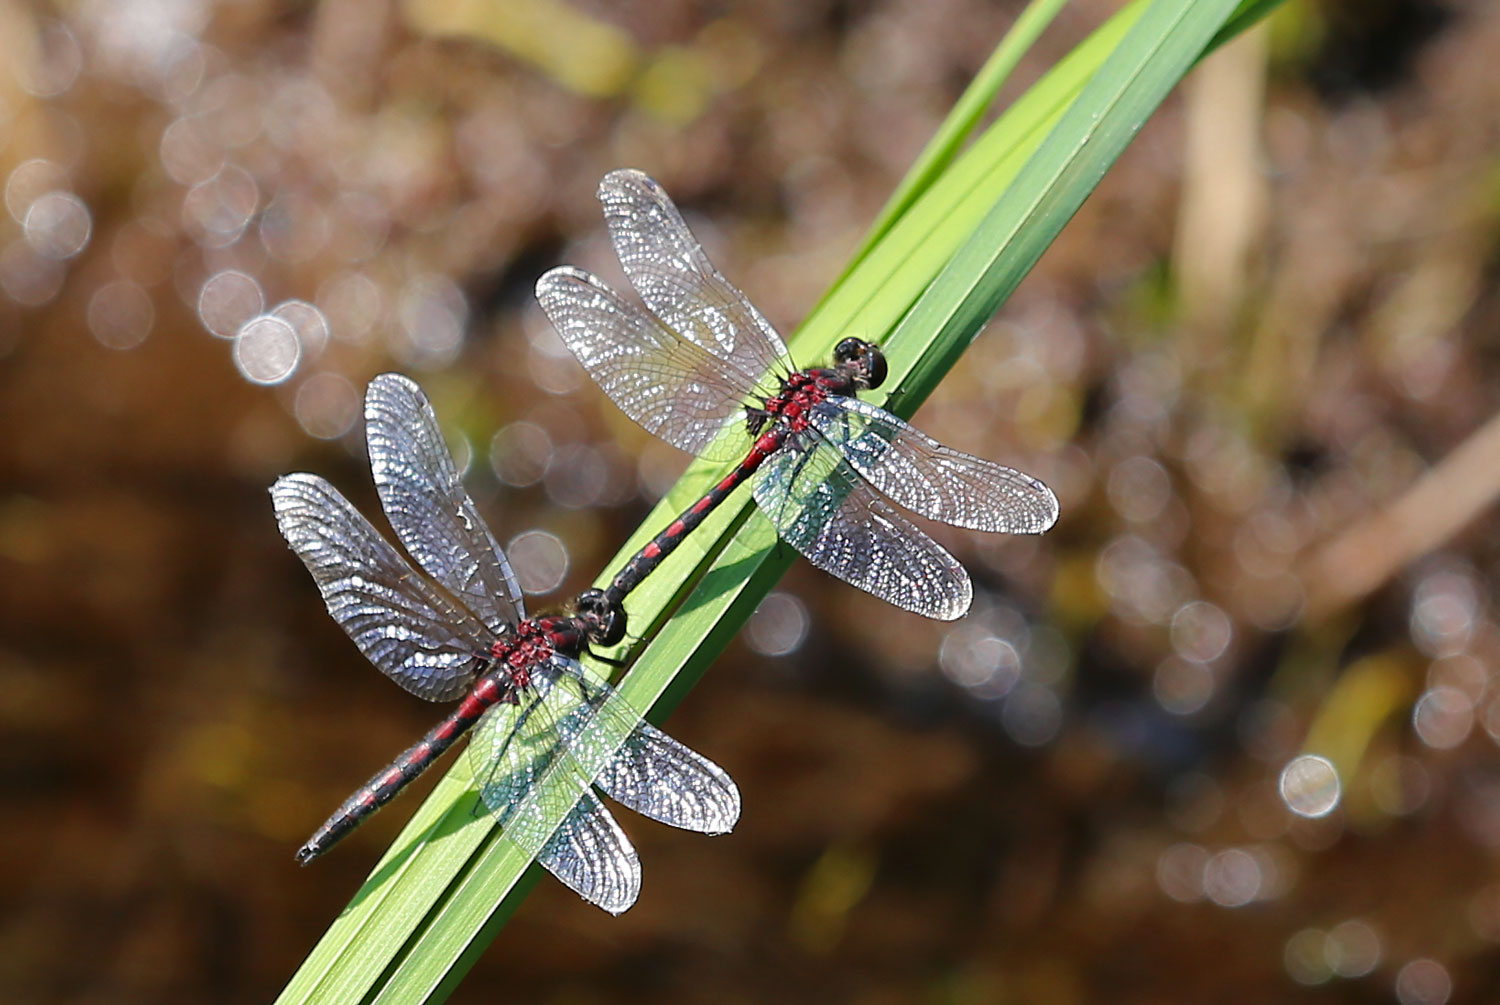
x=672, y=387
x=417, y=636
x=425, y=501
x=639, y=766
x=543, y=799
x=827, y=511
x=536, y=763
x=669, y=269
x=592, y=856
x=930, y=479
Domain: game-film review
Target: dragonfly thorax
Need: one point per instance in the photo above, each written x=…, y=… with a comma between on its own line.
x=504, y=684
x=537, y=639
x=799, y=394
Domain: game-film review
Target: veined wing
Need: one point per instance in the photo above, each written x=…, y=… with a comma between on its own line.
x=826, y=510
x=673, y=388
x=930, y=479
x=544, y=801
x=638, y=765
x=592, y=856
x=674, y=277
x=425, y=501
x=417, y=636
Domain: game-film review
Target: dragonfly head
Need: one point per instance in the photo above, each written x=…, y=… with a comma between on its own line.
x=862, y=361
x=606, y=620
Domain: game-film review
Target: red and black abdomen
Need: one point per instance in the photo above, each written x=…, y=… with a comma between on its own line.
x=648, y=558
x=395, y=776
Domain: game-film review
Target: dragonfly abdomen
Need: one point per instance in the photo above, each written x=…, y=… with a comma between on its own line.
x=663, y=544
x=394, y=777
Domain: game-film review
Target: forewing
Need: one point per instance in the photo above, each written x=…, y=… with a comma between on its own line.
x=639, y=766
x=417, y=636
x=425, y=501
x=826, y=510
x=542, y=797
x=673, y=388
x=669, y=269
x=930, y=479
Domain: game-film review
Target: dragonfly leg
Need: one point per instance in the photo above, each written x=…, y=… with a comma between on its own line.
x=791, y=482
x=617, y=664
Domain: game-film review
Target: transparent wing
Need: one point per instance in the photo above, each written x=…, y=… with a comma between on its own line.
x=930, y=479
x=592, y=856
x=826, y=510
x=543, y=798
x=673, y=388
x=425, y=501
x=667, y=266
x=417, y=636
x=641, y=767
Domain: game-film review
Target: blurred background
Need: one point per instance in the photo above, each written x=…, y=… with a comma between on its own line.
x=1227, y=733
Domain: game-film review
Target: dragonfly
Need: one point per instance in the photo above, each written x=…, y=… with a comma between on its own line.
x=545, y=732
x=699, y=357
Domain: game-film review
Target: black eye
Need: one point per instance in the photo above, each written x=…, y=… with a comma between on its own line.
x=875, y=369
x=614, y=627
x=869, y=363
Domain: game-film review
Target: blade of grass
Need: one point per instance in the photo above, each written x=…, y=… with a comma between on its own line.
x=960, y=122
x=1051, y=188
x=359, y=944
x=431, y=932
x=1248, y=13
x=1023, y=125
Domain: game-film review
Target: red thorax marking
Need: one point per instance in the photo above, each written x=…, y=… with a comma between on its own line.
x=530, y=642
x=802, y=392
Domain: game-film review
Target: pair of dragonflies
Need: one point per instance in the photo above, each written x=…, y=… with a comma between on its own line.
x=697, y=361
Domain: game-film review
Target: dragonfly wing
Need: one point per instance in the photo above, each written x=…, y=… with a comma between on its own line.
x=673, y=388
x=592, y=856
x=417, y=636
x=425, y=501
x=930, y=479
x=639, y=766
x=508, y=753
x=542, y=796
x=826, y=510
x=669, y=269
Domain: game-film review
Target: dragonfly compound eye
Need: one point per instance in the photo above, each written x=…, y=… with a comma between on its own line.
x=848, y=350
x=875, y=368
x=613, y=630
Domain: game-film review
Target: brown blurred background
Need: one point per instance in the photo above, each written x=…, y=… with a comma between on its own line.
x=1228, y=733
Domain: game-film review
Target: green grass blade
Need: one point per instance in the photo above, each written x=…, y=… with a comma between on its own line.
x=1159, y=50
x=357, y=947
x=925, y=289
x=1245, y=17
x=960, y=122
x=921, y=241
